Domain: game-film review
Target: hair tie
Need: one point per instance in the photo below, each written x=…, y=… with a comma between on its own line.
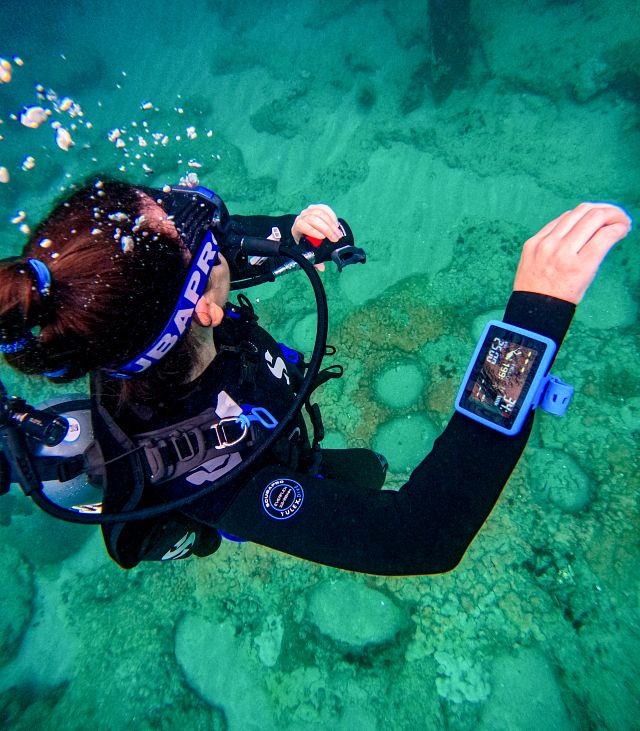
x=17, y=345
x=43, y=275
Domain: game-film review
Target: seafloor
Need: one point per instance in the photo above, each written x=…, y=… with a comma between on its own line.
x=445, y=140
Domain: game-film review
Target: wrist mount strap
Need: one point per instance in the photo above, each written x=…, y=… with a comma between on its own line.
x=553, y=396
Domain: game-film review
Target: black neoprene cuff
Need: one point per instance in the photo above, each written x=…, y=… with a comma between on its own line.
x=541, y=314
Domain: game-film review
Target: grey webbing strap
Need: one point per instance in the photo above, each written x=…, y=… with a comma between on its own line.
x=173, y=451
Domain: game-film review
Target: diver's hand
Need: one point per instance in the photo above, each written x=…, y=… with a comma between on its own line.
x=562, y=259
x=319, y=222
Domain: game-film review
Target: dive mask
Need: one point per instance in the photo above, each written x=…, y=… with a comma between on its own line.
x=194, y=211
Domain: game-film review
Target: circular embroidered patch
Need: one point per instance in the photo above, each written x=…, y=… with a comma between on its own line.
x=282, y=498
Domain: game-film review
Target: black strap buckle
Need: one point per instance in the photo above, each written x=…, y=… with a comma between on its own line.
x=71, y=467
x=185, y=449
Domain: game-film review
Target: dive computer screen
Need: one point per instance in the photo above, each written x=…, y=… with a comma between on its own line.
x=501, y=377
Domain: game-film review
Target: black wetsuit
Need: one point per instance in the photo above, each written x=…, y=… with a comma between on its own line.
x=336, y=514
x=340, y=517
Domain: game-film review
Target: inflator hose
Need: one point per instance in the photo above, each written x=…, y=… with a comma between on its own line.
x=307, y=386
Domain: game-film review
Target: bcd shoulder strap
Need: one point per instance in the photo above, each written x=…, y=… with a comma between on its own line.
x=179, y=448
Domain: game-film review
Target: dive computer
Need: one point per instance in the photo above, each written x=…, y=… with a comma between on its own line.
x=509, y=376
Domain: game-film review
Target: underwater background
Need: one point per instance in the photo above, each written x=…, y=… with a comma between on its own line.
x=446, y=134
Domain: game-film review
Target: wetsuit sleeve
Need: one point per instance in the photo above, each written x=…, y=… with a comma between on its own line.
x=264, y=227
x=426, y=526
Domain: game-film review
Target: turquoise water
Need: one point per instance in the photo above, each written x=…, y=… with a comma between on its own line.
x=443, y=165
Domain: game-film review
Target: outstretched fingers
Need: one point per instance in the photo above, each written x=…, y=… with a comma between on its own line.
x=595, y=219
x=569, y=219
x=602, y=241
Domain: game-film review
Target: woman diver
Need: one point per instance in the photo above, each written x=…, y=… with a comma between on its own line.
x=100, y=278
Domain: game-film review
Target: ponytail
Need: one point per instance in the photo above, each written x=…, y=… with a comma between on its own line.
x=26, y=296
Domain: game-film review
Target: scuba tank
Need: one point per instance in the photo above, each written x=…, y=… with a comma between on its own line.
x=75, y=492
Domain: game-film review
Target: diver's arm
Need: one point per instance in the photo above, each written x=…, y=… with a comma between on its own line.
x=316, y=220
x=464, y=474
x=427, y=526
x=277, y=228
x=264, y=227
x=424, y=528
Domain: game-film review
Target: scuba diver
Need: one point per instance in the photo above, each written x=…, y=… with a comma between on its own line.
x=193, y=428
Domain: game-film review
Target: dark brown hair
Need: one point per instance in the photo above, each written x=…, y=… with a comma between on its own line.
x=115, y=282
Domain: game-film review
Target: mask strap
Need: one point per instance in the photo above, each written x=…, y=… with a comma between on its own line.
x=203, y=261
